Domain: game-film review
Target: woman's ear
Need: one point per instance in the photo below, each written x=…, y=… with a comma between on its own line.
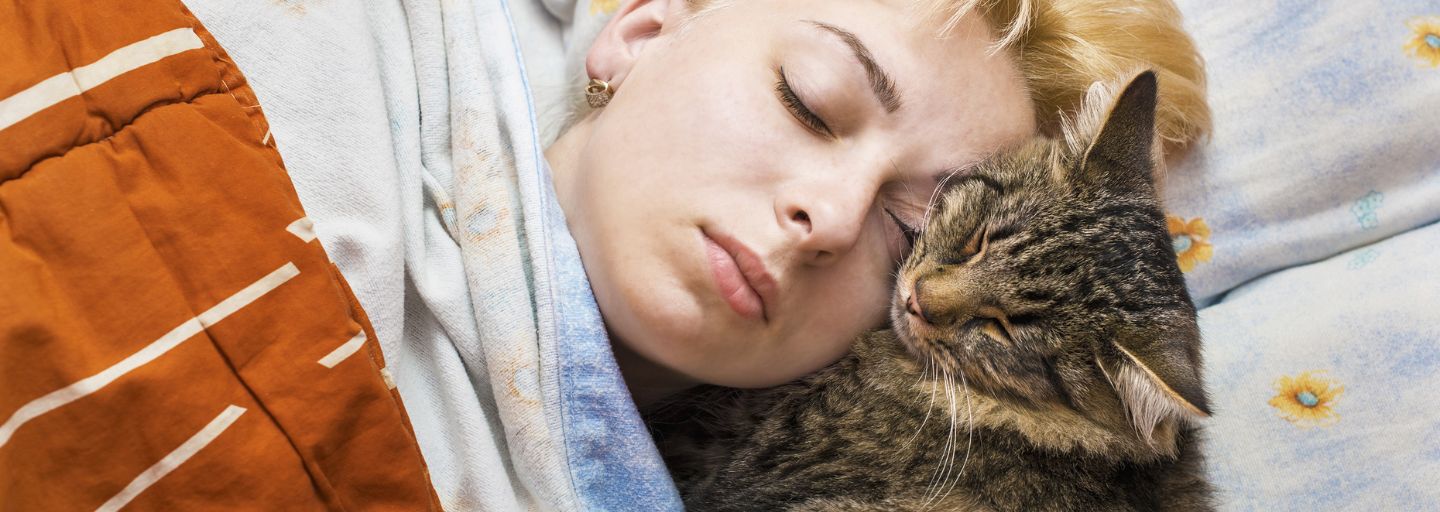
x=620, y=43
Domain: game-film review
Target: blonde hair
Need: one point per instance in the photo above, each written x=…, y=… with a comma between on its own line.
x=1064, y=46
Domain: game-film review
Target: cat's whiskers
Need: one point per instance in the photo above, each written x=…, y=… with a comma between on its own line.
x=970, y=433
x=930, y=205
x=938, y=482
x=934, y=477
x=954, y=440
x=929, y=366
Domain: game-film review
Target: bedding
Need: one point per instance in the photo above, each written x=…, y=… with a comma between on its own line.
x=172, y=336
x=1308, y=226
x=147, y=202
x=410, y=132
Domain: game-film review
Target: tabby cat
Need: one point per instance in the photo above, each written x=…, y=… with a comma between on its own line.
x=1043, y=355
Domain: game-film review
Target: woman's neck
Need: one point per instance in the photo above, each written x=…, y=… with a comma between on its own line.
x=648, y=382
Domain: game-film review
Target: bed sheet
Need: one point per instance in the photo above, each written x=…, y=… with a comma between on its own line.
x=1323, y=378
x=1307, y=226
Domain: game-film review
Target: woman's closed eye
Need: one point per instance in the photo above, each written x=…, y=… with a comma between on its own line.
x=905, y=229
x=797, y=107
x=901, y=249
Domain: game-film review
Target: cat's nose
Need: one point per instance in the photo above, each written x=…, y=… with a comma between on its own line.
x=939, y=300
x=912, y=306
x=926, y=305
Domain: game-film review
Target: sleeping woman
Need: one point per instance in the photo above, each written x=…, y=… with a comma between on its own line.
x=740, y=202
x=741, y=191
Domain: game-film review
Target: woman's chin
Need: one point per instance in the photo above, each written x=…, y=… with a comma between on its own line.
x=660, y=327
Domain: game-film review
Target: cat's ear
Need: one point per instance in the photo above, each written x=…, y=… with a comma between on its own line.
x=1121, y=154
x=1157, y=373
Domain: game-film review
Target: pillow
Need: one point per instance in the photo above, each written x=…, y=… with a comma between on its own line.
x=1323, y=380
x=1325, y=134
x=1308, y=226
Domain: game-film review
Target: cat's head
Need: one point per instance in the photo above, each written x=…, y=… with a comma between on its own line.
x=1046, y=277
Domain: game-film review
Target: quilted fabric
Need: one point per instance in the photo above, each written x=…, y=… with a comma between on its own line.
x=172, y=336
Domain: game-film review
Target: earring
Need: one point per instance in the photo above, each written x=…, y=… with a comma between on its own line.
x=598, y=93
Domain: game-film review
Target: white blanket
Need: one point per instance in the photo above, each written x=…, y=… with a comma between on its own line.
x=408, y=129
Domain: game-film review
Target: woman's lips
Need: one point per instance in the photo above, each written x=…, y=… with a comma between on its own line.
x=740, y=275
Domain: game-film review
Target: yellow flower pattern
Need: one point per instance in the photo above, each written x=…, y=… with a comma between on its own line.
x=604, y=6
x=1191, y=241
x=1426, y=43
x=1307, y=400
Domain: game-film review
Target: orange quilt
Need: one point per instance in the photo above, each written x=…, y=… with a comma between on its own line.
x=172, y=335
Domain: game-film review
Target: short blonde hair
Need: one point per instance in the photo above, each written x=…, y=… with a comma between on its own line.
x=1064, y=46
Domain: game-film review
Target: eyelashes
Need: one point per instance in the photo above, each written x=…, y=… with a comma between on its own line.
x=910, y=232
x=797, y=108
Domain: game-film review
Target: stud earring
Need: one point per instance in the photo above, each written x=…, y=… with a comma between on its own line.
x=598, y=93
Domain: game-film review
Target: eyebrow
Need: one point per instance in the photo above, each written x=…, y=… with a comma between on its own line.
x=880, y=81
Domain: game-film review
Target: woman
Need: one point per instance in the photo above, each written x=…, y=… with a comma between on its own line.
x=765, y=185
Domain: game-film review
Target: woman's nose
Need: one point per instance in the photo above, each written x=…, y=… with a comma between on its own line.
x=827, y=218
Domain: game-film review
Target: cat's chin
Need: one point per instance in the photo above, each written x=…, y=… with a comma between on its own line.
x=922, y=341
x=929, y=344
x=950, y=353
x=945, y=358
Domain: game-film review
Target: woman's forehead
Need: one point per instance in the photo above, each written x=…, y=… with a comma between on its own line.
x=959, y=101
x=953, y=88
x=951, y=100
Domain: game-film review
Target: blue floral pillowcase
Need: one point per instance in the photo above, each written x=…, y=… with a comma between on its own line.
x=1306, y=226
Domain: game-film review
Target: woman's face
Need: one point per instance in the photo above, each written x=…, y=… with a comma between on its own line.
x=733, y=203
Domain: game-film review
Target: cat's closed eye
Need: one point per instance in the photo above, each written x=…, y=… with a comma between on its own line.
x=993, y=322
x=973, y=250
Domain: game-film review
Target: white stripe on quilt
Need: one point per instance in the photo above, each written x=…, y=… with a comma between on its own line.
x=155, y=349
x=388, y=377
x=71, y=83
x=181, y=454
x=343, y=351
x=302, y=228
